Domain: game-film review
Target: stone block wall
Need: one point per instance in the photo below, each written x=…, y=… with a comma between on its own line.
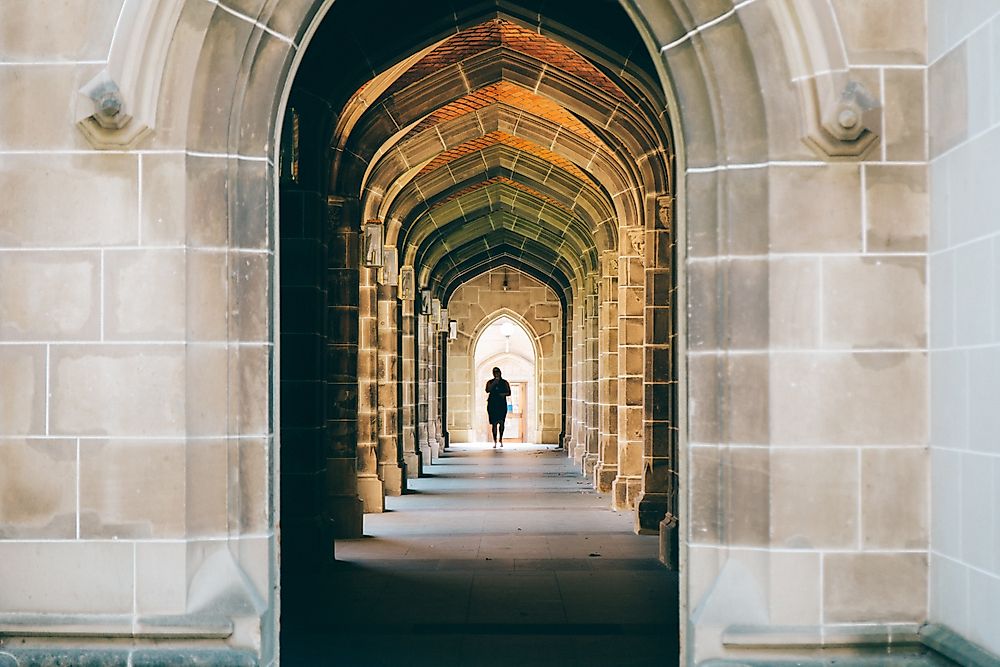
x=964, y=41
x=806, y=331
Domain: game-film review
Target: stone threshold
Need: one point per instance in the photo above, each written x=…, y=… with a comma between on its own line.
x=115, y=626
x=928, y=645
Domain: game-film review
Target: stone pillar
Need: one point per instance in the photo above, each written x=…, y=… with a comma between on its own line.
x=631, y=337
x=592, y=381
x=390, y=467
x=657, y=508
x=422, y=396
x=606, y=468
x=369, y=485
x=305, y=538
x=433, y=407
x=569, y=379
x=443, y=388
x=412, y=460
x=343, y=505
x=581, y=382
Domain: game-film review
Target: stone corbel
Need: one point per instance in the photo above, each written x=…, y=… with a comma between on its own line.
x=117, y=108
x=841, y=119
x=844, y=119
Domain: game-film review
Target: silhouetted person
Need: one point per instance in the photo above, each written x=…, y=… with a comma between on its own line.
x=496, y=404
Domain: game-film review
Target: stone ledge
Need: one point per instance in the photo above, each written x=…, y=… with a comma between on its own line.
x=115, y=626
x=912, y=660
x=816, y=637
x=957, y=648
x=47, y=657
x=921, y=646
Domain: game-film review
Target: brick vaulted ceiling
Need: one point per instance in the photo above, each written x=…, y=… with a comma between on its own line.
x=503, y=142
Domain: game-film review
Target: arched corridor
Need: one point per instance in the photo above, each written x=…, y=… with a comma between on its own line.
x=495, y=559
x=497, y=194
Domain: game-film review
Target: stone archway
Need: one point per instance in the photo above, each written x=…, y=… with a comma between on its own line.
x=475, y=305
x=205, y=85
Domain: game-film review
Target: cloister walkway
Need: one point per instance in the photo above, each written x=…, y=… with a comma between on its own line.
x=497, y=557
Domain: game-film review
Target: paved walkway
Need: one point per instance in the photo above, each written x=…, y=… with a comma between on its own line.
x=496, y=558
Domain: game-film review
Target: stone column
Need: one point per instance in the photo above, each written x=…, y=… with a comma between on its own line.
x=657, y=510
x=343, y=506
x=305, y=538
x=422, y=386
x=606, y=468
x=569, y=379
x=631, y=337
x=412, y=460
x=443, y=388
x=369, y=485
x=390, y=468
x=433, y=409
x=592, y=381
x=581, y=382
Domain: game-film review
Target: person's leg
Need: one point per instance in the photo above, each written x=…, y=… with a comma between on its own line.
x=493, y=429
x=501, y=432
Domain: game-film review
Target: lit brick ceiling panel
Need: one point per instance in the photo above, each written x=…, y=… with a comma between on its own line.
x=494, y=138
x=502, y=180
x=514, y=96
x=504, y=33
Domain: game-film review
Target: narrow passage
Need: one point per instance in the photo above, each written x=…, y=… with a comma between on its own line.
x=498, y=557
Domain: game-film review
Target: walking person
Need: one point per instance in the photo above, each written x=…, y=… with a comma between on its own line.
x=498, y=390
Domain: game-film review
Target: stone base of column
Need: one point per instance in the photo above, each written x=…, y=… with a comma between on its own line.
x=589, y=463
x=372, y=493
x=604, y=476
x=427, y=454
x=650, y=512
x=346, y=514
x=413, y=463
x=579, y=451
x=343, y=506
x=392, y=478
x=670, y=543
x=625, y=492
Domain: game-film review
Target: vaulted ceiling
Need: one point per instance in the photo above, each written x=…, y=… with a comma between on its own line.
x=512, y=136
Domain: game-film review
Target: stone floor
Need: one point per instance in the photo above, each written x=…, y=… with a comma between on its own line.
x=496, y=558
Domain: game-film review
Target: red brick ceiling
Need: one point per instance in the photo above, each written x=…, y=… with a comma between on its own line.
x=494, y=138
x=503, y=180
x=514, y=96
x=500, y=32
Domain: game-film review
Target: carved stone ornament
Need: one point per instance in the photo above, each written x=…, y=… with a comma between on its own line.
x=118, y=107
x=664, y=211
x=334, y=210
x=849, y=124
x=110, y=125
x=637, y=237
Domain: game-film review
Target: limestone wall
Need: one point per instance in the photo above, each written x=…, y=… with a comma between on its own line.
x=474, y=305
x=965, y=338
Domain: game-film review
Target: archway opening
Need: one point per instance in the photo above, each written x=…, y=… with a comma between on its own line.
x=506, y=345
x=500, y=152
